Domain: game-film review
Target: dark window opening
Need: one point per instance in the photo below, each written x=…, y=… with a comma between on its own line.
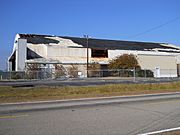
x=13, y=65
x=99, y=53
x=104, y=67
x=32, y=55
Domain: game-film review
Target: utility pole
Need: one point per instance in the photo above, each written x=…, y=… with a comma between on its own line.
x=87, y=51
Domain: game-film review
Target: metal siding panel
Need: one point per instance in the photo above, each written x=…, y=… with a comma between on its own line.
x=21, y=52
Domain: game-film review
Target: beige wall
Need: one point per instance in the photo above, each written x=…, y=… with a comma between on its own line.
x=166, y=64
x=40, y=49
x=56, y=51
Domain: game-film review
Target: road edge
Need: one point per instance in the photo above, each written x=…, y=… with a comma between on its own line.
x=62, y=104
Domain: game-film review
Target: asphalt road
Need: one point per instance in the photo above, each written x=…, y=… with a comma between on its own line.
x=115, y=119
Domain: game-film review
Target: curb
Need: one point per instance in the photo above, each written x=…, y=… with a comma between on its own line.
x=7, y=108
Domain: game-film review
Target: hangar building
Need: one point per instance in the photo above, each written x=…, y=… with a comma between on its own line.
x=47, y=50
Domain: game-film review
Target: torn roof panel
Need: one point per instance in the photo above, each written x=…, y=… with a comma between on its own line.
x=38, y=39
x=100, y=43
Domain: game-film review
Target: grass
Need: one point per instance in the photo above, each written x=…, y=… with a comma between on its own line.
x=171, y=133
x=10, y=94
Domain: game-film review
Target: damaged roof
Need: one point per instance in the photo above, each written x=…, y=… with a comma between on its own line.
x=101, y=43
x=38, y=39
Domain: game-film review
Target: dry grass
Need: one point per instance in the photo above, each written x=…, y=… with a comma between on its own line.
x=9, y=94
x=171, y=133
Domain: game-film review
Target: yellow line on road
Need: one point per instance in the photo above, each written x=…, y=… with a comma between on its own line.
x=13, y=116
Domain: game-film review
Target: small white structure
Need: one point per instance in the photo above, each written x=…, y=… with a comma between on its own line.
x=162, y=59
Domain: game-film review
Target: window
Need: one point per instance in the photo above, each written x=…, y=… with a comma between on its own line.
x=99, y=53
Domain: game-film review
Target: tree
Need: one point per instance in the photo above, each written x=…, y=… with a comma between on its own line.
x=73, y=71
x=125, y=61
x=32, y=70
x=94, y=69
x=59, y=71
x=94, y=66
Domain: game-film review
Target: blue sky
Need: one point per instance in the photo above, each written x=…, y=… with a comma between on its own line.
x=109, y=19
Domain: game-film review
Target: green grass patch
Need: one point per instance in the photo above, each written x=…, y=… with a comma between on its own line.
x=10, y=94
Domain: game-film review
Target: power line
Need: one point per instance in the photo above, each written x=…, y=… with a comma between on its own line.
x=154, y=28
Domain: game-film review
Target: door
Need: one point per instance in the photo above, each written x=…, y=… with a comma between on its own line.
x=178, y=70
x=157, y=72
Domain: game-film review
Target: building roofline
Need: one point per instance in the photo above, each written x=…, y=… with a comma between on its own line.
x=95, y=43
x=48, y=35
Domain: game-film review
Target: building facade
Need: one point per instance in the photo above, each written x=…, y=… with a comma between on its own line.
x=162, y=59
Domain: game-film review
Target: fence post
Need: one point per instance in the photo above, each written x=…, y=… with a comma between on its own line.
x=36, y=74
x=123, y=72
x=134, y=74
x=10, y=75
x=145, y=73
x=170, y=73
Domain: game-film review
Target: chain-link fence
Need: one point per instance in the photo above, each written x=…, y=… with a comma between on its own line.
x=51, y=74
x=120, y=73
x=13, y=75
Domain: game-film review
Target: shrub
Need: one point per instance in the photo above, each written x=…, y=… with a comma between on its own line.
x=144, y=73
x=125, y=61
